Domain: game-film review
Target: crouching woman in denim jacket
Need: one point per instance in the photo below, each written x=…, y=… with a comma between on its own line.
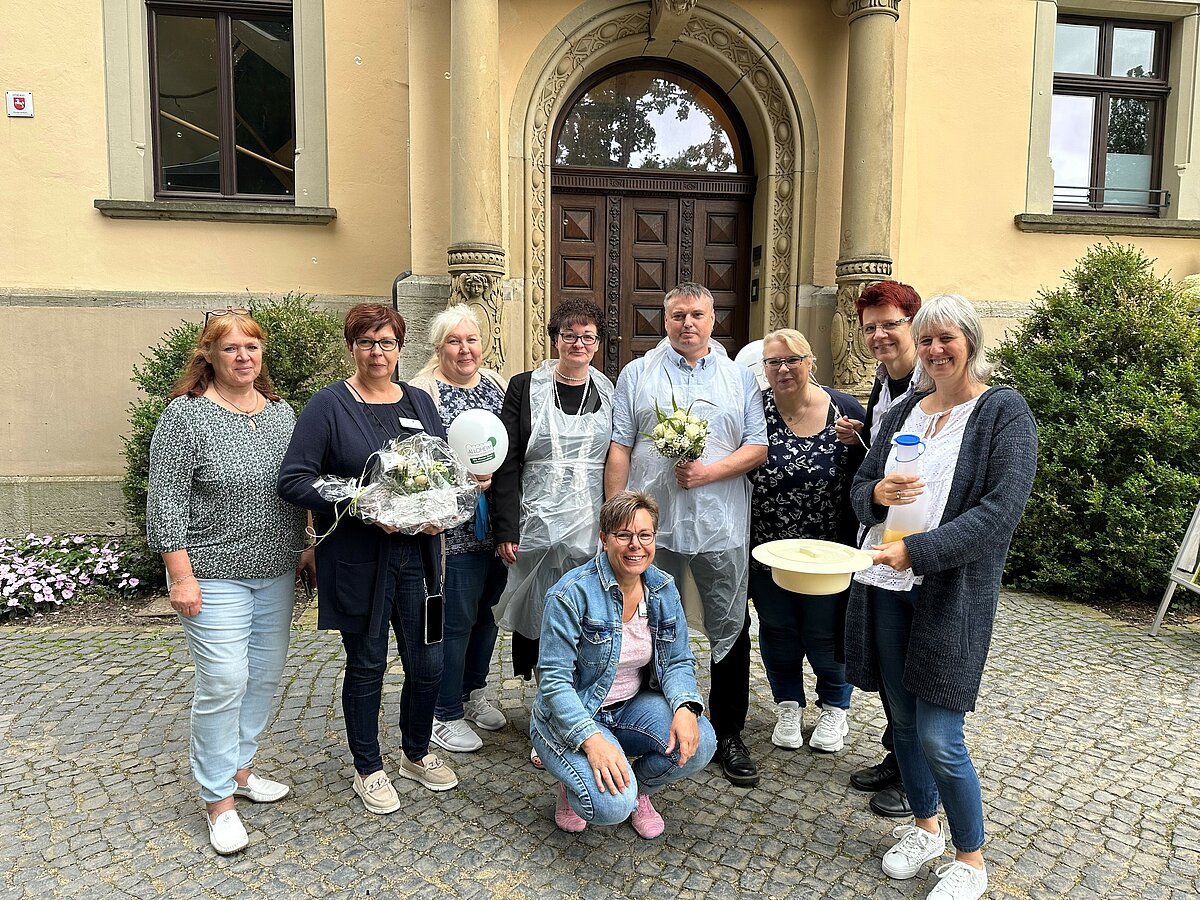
x=618, y=680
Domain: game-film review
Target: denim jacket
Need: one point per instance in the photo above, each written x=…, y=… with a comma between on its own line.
x=581, y=645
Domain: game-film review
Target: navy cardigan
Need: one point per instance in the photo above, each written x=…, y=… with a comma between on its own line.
x=333, y=436
x=962, y=559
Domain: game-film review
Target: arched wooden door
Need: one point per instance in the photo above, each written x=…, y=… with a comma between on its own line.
x=653, y=185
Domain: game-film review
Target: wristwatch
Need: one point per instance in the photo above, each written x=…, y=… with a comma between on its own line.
x=693, y=707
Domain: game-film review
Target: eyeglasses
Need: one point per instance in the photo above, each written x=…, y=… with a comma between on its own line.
x=869, y=330
x=588, y=340
x=778, y=362
x=387, y=344
x=626, y=537
x=229, y=310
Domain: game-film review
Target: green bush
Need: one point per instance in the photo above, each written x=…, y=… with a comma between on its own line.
x=1110, y=365
x=304, y=352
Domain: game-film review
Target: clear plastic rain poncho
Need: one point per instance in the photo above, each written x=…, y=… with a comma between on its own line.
x=562, y=489
x=705, y=530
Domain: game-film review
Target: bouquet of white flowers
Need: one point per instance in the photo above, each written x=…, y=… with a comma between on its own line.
x=412, y=483
x=679, y=435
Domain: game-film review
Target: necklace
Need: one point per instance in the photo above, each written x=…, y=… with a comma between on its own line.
x=582, y=402
x=371, y=412
x=248, y=413
x=568, y=378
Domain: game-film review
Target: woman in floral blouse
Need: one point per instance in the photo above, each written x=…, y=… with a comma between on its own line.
x=801, y=491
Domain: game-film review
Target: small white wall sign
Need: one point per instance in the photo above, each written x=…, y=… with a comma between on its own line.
x=19, y=103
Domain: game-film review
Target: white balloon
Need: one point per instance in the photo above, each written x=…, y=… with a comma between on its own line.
x=750, y=356
x=480, y=440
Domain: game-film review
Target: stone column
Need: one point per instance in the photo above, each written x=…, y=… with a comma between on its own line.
x=865, y=251
x=475, y=257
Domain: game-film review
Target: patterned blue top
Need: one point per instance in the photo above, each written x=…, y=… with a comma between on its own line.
x=453, y=400
x=801, y=490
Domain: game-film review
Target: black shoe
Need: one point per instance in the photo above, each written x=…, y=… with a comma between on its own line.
x=891, y=803
x=875, y=778
x=736, y=764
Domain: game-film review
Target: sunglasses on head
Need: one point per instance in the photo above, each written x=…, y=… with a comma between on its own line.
x=229, y=310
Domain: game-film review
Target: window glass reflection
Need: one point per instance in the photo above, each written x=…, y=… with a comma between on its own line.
x=262, y=101
x=188, y=121
x=1071, y=147
x=1076, y=48
x=649, y=120
x=1127, y=162
x=1133, y=53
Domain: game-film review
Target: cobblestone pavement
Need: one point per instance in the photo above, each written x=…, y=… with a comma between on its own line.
x=1087, y=740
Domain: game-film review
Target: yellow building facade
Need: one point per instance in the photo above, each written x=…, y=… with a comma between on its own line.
x=511, y=152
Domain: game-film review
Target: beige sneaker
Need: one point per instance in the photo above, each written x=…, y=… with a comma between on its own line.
x=431, y=772
x=377, y=793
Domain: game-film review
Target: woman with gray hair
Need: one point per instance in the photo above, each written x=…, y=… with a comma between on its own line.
x=920, y=620
x=475, y=576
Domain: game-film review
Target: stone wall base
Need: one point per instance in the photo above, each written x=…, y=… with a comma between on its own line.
x=62, y=504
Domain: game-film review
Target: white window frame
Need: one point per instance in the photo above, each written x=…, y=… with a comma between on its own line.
x=127, y=96
x=1181, y=128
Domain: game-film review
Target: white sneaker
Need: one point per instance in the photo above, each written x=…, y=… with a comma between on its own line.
x=959, y=881
x=788, y=732
x=456, y=736
x=915, y=848
x=829, y=735
x=227, y=834
x=479, y=710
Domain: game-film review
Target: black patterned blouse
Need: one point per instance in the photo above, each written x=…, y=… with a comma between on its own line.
x=802, y=490
x=452, y=401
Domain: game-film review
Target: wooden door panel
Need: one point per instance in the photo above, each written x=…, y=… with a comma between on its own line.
x=578, y=236
x=649, y=268
x=720, y=262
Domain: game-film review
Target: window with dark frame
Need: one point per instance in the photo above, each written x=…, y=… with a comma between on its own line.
x=223, y=99
x=1109, y=108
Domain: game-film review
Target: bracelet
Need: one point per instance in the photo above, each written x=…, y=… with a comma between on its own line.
x=180, y=580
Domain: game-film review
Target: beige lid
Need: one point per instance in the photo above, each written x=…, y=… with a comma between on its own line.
x=808, y=566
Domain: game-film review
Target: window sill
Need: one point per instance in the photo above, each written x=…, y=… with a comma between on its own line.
x=1145, y=226
x=217, y=211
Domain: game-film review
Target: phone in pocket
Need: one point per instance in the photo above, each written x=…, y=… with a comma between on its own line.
x=433, y=617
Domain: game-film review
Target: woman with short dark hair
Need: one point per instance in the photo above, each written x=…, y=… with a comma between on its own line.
x=369, y=575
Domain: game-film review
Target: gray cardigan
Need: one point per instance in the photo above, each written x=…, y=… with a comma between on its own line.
x=961, y=560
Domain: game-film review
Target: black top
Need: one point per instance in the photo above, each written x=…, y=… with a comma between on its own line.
x=518, y=422
x=335, y=435
x=896, y=386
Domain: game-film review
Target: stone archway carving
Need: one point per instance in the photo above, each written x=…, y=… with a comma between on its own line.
x=768, y=90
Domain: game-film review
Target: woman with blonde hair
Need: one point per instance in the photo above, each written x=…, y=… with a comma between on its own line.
x=802, y=491
x=232, y=549
x=475, y=576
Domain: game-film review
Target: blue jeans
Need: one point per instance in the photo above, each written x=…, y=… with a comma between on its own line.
x=641, y=726
x=474, y=583
x=931, y=751
x=792, y=626
x=366, y=663
x=239, y=643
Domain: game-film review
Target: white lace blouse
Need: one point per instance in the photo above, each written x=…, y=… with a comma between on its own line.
x=938, y=463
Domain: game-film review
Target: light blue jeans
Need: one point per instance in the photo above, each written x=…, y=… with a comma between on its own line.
x=641, y=726
x=239, y=643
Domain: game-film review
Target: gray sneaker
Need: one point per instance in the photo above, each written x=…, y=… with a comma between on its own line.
x=456, y=736
x=430, y=771
x=479, y=710
x=377, y=793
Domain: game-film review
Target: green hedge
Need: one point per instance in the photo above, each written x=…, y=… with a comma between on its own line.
x=1110, y=365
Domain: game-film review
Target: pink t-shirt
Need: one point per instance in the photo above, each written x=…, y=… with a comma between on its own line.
x=636, y=650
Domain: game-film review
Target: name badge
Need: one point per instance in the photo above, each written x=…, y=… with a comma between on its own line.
x=412, y=424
